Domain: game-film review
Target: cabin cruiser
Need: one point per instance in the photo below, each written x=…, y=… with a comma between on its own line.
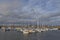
x=31, y=31
x=25, y=32
x=38, y=30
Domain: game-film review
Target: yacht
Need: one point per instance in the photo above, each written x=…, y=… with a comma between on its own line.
x=31, y=31
x=25, y=32
x=38, y=30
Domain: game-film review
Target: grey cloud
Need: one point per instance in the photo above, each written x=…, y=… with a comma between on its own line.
x=35, y=10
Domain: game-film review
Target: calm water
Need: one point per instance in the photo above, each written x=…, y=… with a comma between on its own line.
x=50, y=35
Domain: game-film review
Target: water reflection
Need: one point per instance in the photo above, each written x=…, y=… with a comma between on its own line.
x=49, y=35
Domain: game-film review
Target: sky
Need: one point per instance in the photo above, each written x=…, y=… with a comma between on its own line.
x=46, y=12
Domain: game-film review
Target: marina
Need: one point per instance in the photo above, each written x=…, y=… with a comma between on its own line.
x=29, y=19
x=25, y=30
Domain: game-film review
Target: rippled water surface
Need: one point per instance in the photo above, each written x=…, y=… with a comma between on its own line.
x=49, y=35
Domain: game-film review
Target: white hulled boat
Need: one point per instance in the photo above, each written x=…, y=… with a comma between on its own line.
x=25, y=32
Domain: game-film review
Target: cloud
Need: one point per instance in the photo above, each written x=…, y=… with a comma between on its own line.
x=30, y=10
